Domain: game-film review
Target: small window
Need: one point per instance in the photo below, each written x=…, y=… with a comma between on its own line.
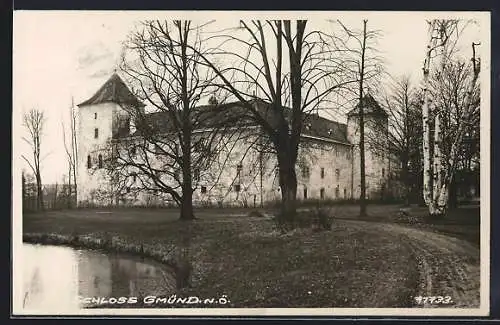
x=305, y=193
x=345, y=193
x=237, y=187
x=89, y=162
x=100, y=160
x=322, y=172
x=128, y=189
x=337, y=192
x=134, y=177
x=203, y=189
x=96, y=133
x=337, y=174
x=322, y=193
x=95, y=116
x=383, y=172
x=305, y=172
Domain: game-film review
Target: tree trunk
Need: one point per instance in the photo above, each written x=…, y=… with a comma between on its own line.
x=426, y=122
x=187, y=212
x=187, y=180
x=39, y=192
x=452, y=199
x=362, y=199
x=288, y=186
x=405, y=174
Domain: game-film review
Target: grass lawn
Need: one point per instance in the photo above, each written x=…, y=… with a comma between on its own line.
x=356, y=264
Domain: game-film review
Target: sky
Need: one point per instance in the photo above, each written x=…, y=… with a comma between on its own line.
x=63, y=56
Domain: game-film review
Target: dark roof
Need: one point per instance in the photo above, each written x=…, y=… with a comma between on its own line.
x=235, y=115
x=370, y=106
x=114, y=90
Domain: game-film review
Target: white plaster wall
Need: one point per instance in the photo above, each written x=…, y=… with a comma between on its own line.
x=221, y=177
x=89, y=179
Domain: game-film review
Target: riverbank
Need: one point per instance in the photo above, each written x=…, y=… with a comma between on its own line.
x=356, y=264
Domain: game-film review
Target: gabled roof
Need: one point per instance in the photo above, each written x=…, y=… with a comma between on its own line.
x=370, y=106
x=114, y=90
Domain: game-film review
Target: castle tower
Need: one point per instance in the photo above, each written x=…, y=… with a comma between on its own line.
x=376, y=143
x=102, y=118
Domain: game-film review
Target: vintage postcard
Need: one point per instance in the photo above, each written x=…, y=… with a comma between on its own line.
x=211, y=163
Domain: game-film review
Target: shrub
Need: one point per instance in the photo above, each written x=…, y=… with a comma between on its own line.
x=322, y=218
x=318, y=219
x=256, y=213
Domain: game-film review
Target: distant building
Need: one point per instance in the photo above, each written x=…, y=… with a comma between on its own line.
x=327, y=168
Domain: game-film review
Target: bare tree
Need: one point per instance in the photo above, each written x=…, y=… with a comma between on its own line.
x=291, y=81
x=439, y=163
x=451, y=91
x=171, y=148
x=34, y=122
x=366, y=67
x=404, y=144
x=71, y=154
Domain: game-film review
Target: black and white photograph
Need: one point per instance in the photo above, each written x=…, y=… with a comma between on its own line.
x=254, y=163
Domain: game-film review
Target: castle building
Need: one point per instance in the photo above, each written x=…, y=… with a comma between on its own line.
x=327, y=167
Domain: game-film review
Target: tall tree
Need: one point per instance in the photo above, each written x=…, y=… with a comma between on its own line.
x=441, y=154
x=292, y=71
x=170, y=148
x=366, y=68
x=71, y=153
x=34, y=122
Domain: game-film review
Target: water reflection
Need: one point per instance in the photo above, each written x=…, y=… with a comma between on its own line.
x=56, y=278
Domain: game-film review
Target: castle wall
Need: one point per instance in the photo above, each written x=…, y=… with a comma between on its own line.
x=325, y=169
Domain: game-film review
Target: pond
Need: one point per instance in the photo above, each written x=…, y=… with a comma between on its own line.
x=58, y=278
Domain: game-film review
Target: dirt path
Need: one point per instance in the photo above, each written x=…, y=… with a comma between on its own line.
x=447, y=266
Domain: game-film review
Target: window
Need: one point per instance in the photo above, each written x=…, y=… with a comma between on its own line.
x=337, y=192
x=305, y=171
x=305, y=193
x=95, y=116
x=89, y=162
x=383, y=172
x=100, y=160
x=322, y=172
x=203, y=189
x=345, y=193
x=322, y=193
x=337, y=174
x=237, y=187
x=128, y=189
x=96, y=133
x=134, y=177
